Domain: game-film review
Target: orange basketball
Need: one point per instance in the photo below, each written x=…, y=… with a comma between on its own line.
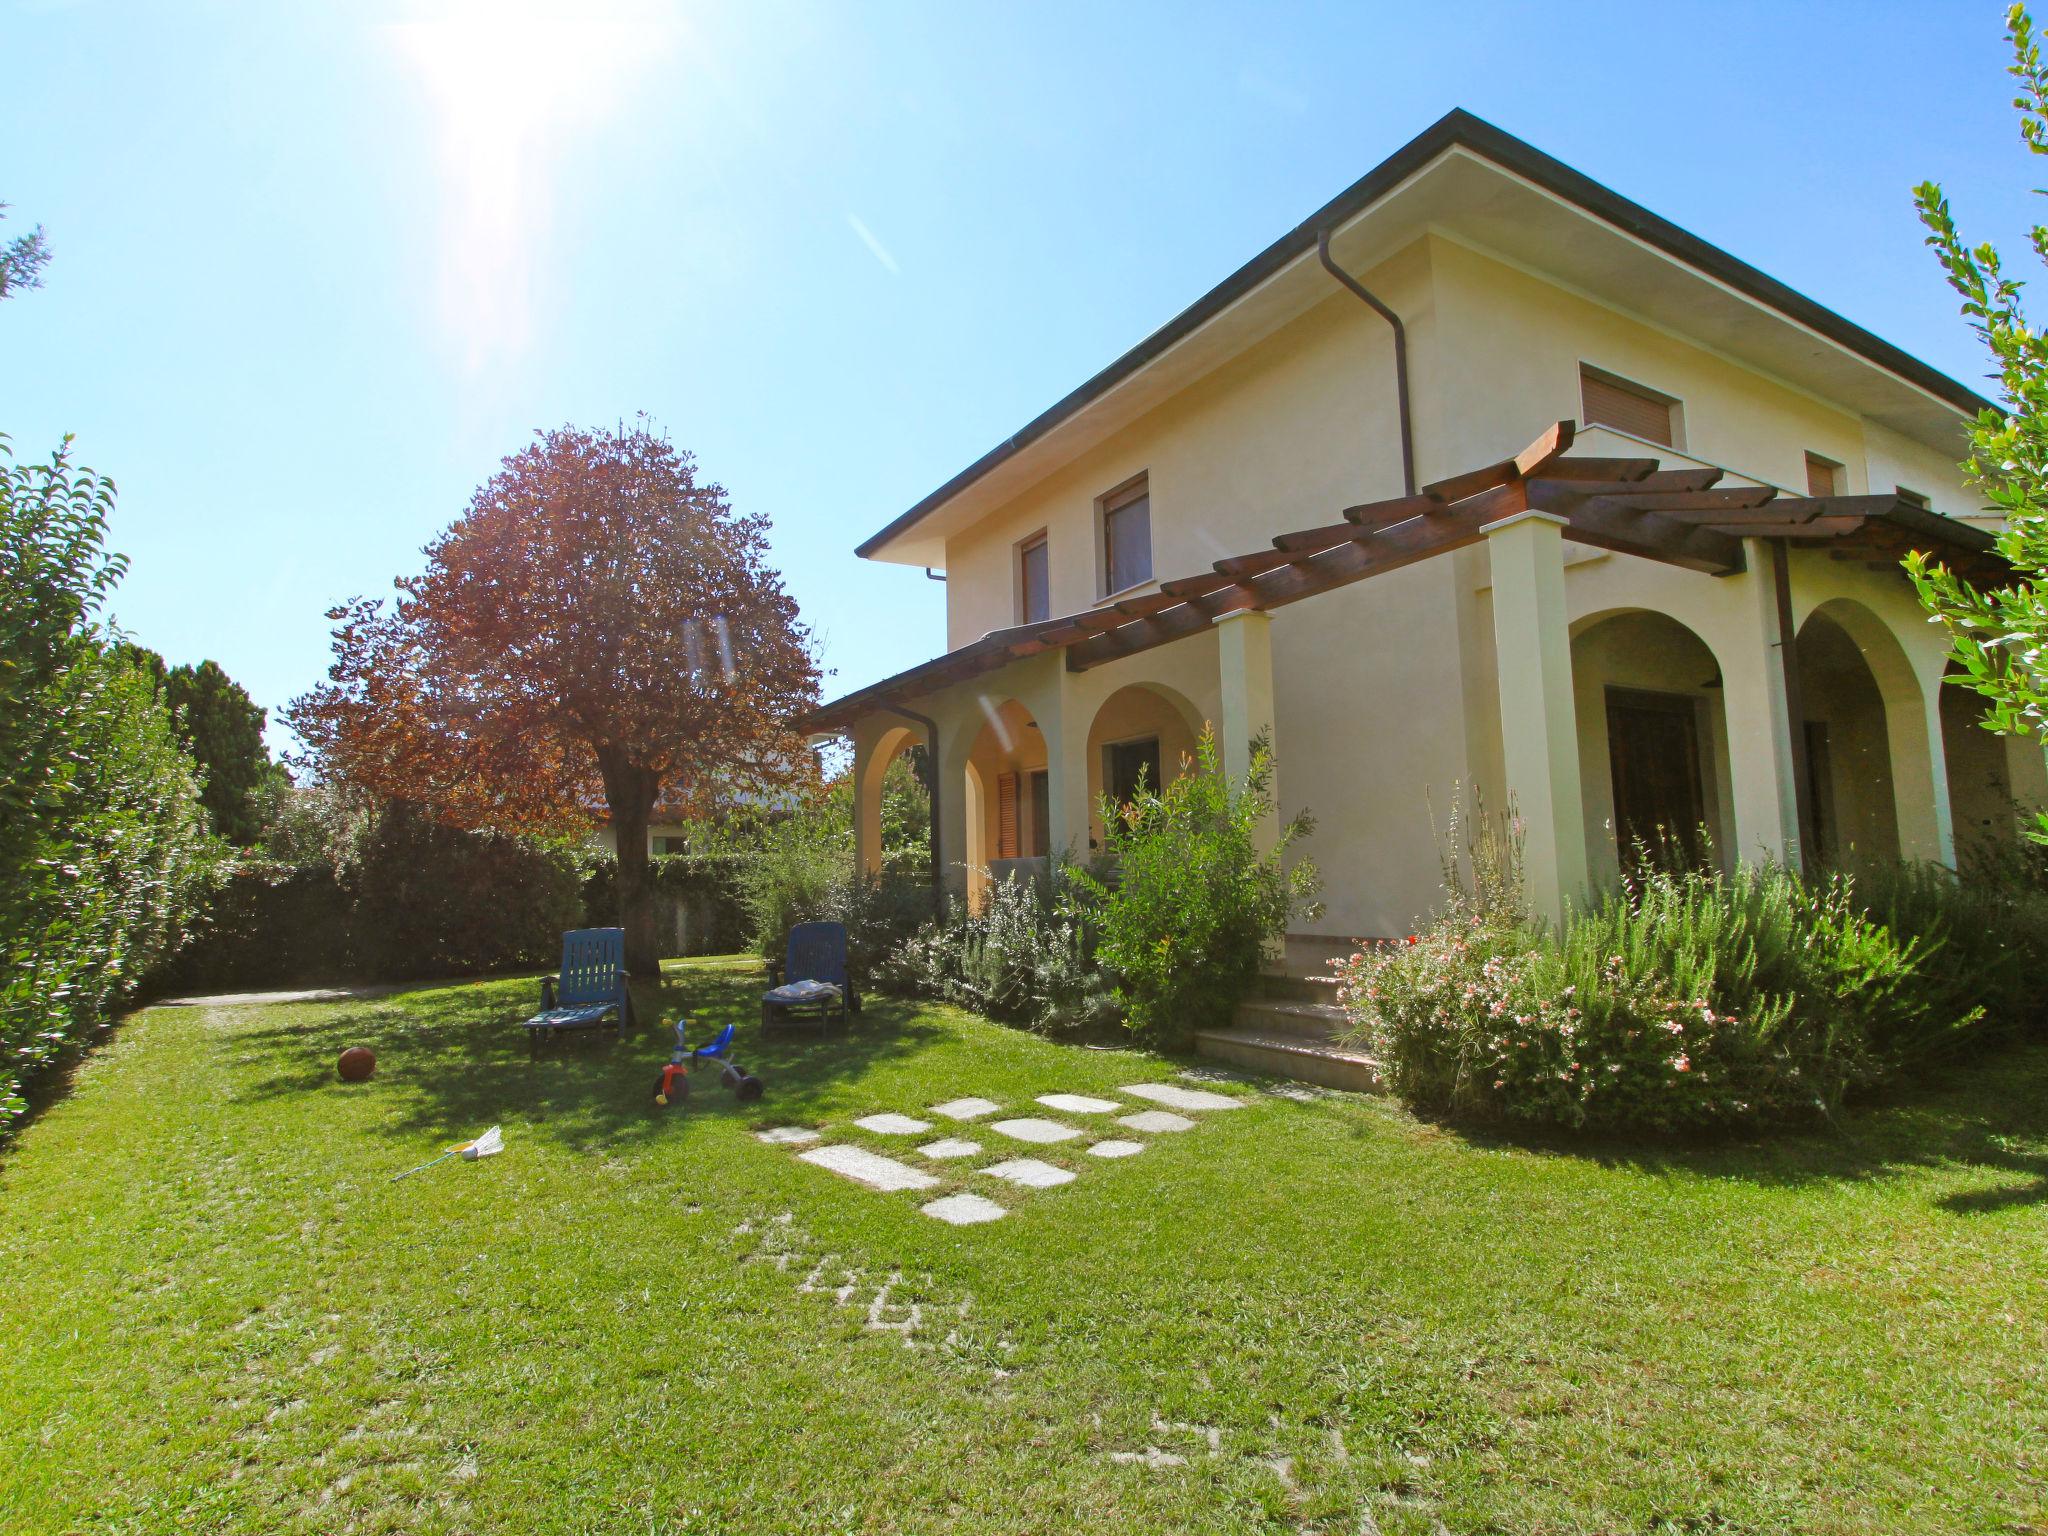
x=356, y=1064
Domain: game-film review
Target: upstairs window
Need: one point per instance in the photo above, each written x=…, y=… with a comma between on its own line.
x=1626, y=407
x=1823, y=476
x=1034, y=581
x=1127, y=536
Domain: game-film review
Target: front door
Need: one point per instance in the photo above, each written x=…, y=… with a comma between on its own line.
x=1653, y=745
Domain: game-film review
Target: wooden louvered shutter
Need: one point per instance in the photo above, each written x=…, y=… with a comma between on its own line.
x=1007, y=844
x=1610, y=403
x=1820, y=476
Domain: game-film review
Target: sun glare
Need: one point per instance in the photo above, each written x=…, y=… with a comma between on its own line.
x=509, y=86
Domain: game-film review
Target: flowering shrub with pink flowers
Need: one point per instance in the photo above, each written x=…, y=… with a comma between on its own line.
x=1688, y=1000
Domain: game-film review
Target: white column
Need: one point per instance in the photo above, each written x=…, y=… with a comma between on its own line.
x=1930, y=833
x=1538, y=722
x=867, y=810
x=1244, y=660
x=1765, y=815
x=1064, y=722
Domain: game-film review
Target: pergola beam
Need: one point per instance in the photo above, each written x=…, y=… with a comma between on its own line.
x=1680, y=516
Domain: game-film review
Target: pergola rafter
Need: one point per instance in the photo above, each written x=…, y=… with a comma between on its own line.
x=1683, y=516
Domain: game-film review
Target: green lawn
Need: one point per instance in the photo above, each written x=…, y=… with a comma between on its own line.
x=218, y=1313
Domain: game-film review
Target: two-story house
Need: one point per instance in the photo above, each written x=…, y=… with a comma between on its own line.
x=1485, y=476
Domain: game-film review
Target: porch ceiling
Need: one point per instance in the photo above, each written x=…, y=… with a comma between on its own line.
x=1680, y=516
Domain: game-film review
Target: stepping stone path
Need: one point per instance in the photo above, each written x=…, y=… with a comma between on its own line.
x=1031, y=1173
x=1154, y=1120
x=1173, y=1096
x=1116, y=1149
x=1043, y=1132
x=869, y=1168
x=1078, y=1104
x=966, y=1109
x=894, y=1125
x=964, y=1208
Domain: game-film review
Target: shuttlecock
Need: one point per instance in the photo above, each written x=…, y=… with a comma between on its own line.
x=487, y=1145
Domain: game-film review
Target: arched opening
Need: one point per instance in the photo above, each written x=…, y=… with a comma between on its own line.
x=1653, y=741
x=1008, y=800
x=1869, y=762
x=893, y=806
x=1143, y=732
x=1980, y=787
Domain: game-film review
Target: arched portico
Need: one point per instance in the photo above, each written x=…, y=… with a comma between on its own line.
x=1877, y=776
x=1143, y=730
x=1005, y=784
x=873, y=755
x=1653, y=738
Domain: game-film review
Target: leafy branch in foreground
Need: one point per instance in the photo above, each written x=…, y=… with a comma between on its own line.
x=1999, y=637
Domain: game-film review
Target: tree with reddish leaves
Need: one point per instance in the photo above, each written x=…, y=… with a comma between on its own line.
x=598, y=628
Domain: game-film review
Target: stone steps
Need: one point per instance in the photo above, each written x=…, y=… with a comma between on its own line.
x=1310, y=1020
x=1305, y=1058
x=1297, y=989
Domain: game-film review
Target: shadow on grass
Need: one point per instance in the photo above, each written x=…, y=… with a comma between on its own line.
x=452, y=1059
x=1987, y=1114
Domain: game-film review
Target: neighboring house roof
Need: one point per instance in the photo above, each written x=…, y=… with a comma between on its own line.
x=1456, y=130
x=1682, y=517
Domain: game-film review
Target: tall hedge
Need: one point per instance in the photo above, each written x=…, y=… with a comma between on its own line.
x=401, y=897
x=103, y=844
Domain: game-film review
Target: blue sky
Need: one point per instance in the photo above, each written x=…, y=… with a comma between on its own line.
x=319, y=267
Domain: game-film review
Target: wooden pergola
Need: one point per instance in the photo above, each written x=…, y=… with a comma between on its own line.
x=1682, y=517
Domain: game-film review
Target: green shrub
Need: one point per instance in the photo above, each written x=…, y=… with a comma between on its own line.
x=797, y=873
x=103, y=845
x=1026, y=958
x=697, y=900
x=432, y=900
x=380, y=892
x=1687, y=1000
x=1185, y=902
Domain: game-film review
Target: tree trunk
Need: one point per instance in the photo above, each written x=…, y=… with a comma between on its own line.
x=630, y=794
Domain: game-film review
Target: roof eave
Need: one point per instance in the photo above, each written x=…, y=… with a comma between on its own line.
x=1455, y=129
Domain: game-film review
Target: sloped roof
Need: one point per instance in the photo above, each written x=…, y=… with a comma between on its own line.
x=1457, y=129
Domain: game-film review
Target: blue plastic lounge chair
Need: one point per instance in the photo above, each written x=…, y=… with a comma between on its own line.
x=812, y=982
x=590, y=992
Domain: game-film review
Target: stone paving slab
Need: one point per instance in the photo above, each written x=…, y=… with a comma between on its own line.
x=1116, y=1149
x=1156, y=1120
x=787, y=1135
x=1078, y=1103
x=1173, y=1096
x=893, y=1125
x=1031, y=1173
x=964, y=1210
x=1043, y=1132
x=966, y=1109
x=952, y=1146
x=869, y=1168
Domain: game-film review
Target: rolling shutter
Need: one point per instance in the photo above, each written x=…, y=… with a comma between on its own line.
x=1007, y=844
x=1821, y=476
x=1611, y=403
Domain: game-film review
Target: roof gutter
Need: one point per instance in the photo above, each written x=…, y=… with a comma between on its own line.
x=1400, y=355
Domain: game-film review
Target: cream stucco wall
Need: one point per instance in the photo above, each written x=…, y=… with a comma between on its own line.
x=1385, y=694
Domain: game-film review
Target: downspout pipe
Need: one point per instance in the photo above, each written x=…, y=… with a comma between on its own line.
x=1400, y=355
x=931, y=737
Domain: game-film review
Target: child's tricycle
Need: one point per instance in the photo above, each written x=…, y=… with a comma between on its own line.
x=674, y=1082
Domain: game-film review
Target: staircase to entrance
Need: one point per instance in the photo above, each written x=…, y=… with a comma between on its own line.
x=1289, y=1027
